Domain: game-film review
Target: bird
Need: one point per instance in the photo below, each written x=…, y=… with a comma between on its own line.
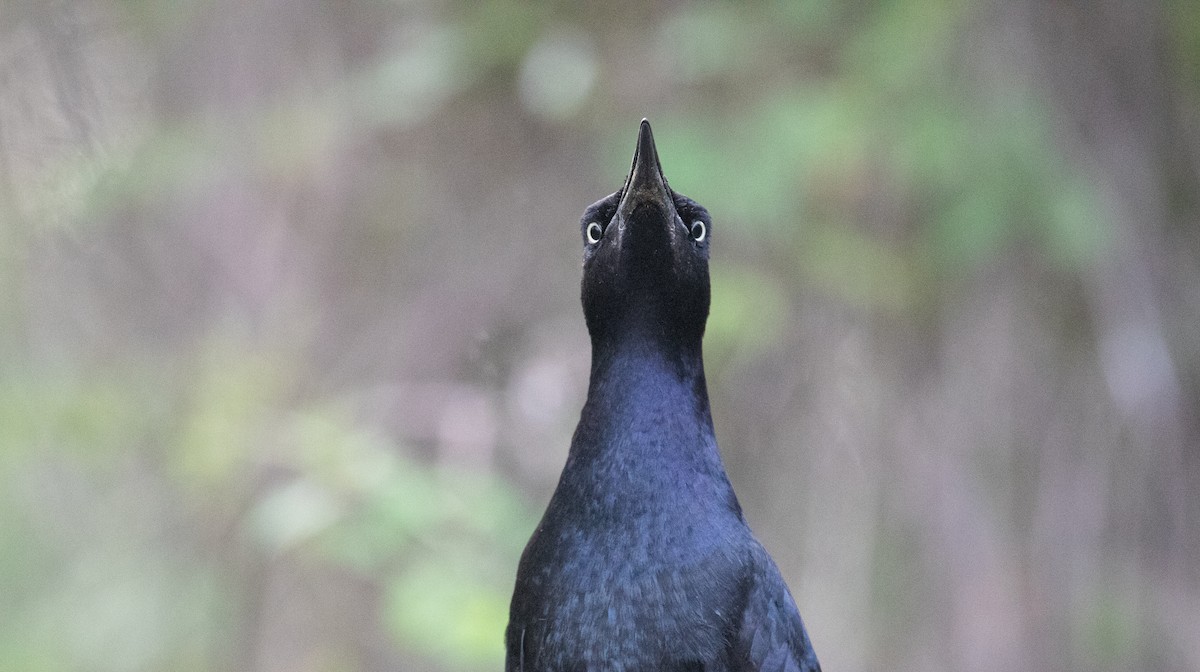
x=643, y=560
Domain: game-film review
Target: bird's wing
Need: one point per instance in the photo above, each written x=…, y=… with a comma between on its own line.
x=771, y=637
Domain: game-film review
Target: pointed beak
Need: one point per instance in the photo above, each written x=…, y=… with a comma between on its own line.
x=646, y=184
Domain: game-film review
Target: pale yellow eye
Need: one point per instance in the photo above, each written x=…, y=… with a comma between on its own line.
x=594, y=231
x=699, y=231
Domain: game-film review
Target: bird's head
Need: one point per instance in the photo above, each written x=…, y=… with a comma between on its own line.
x=645, y=257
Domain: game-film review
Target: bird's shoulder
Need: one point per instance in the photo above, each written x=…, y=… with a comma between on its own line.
x=771, y=635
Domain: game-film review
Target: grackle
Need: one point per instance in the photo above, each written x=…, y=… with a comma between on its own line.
x=643, y=561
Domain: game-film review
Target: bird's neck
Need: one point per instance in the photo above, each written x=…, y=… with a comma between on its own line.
x=647, y=398
x=646, y=435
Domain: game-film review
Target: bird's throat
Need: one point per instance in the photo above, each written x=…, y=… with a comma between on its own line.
x=646, y=396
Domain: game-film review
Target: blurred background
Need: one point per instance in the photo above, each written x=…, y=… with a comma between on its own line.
x=291, y=348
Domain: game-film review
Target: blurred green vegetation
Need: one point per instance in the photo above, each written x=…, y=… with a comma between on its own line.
x=272, y=284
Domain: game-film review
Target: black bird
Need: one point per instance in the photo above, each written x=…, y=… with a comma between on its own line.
x=643, y=561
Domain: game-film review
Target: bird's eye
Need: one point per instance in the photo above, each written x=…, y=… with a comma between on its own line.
x=594, y=231
x=699, y=231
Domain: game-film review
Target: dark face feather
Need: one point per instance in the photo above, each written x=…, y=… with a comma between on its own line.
x=645, y=257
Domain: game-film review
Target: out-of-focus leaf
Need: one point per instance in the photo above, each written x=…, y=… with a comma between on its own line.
x=294, y=513
x=440, y=608
x=490, y=48
x=971, y=227
x=1077, y=231
x=433, y=535
x=749, y=310
x=707, y=38
x=1106, y=626
x=860, y=269
x=414, y=80
x=92, y=419
x=233, y=402
x=558, y=74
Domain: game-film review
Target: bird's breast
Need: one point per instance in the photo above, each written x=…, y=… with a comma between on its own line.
x=654, y=592
x=635, y=609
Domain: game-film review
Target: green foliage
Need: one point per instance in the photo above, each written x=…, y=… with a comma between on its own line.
x=742, y=296
x=448, y=612
x=794, y=163
x=442, y=542
x=1182, y=18
x=1106, y=627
